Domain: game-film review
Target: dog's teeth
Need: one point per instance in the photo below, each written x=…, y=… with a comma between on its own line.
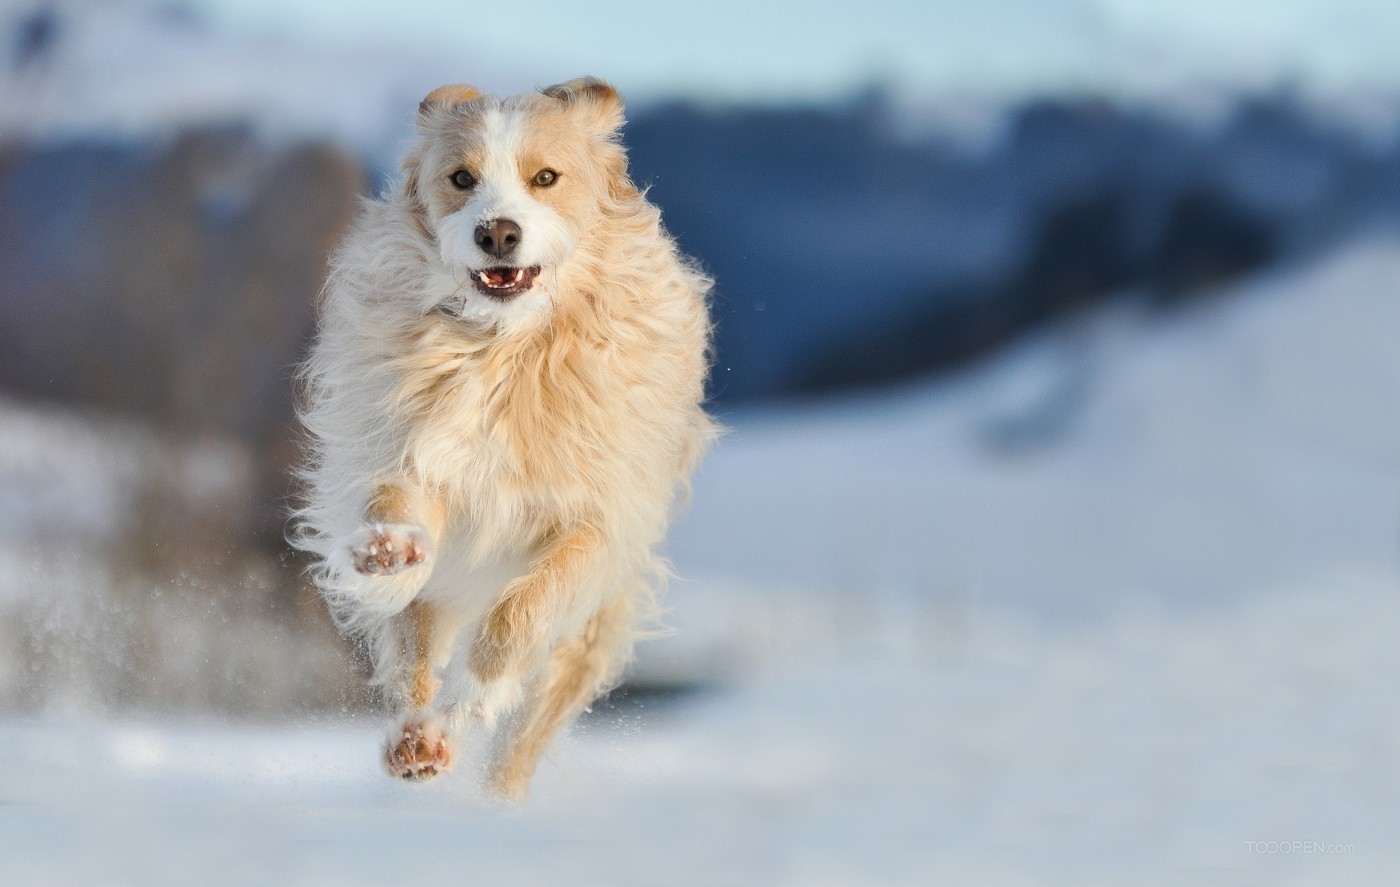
x=519, y=273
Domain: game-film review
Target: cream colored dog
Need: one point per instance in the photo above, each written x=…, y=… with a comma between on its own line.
x=503, y=401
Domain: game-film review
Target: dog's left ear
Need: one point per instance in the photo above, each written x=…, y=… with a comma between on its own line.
x=594, y=97
x=444, y=98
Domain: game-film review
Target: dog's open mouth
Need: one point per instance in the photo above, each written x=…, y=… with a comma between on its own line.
x=504, y=282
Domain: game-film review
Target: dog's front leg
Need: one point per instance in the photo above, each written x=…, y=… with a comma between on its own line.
x=420, y=746
x=515, y=629
x=399, y=534
x=401, y=526
x=380, y=565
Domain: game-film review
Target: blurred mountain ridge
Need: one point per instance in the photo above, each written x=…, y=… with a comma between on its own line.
x=848, y=256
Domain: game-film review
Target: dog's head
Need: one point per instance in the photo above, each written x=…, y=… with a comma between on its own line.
x=507, y=189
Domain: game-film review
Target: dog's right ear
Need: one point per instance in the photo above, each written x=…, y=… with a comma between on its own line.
x=445, y=98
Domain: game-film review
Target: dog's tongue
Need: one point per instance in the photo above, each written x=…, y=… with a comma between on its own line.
x=501, y=276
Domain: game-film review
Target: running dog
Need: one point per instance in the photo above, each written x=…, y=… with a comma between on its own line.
x=502, y=404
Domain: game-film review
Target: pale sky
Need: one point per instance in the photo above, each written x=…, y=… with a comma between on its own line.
x=749, y=49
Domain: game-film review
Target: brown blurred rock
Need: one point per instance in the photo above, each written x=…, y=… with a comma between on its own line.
x=175, y=281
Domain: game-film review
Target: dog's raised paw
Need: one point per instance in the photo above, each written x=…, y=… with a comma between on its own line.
x=422, y=751
x=386, y=549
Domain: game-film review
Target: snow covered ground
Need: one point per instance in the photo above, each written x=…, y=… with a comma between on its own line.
x=1119, y=606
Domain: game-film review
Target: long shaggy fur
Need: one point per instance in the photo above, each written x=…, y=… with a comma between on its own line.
x=529, y=453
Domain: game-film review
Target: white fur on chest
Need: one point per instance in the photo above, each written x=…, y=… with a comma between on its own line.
x=463, y=585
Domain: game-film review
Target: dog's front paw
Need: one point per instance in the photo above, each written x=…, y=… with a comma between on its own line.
x=386, y=549
x=418, y=751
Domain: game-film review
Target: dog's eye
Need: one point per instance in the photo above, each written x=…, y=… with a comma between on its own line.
x=463, y=179
x=545, y=177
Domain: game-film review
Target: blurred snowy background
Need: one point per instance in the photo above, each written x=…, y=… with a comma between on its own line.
x=1057, y=539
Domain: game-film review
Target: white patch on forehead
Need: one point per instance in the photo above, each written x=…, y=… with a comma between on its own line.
x=503, y=136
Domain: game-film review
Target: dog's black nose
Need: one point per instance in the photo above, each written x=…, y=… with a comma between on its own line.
x=498, y=237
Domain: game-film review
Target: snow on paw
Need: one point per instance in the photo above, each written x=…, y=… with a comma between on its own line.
x=476, y=701
x=509, y=782
x=419, y=751
x=386, y=549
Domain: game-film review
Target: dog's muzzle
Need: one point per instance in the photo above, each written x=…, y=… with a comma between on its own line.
x=505, y=282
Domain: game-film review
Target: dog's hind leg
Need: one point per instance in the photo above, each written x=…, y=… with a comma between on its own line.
x=579, y=670
x=420, y=748
x=486, y=678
